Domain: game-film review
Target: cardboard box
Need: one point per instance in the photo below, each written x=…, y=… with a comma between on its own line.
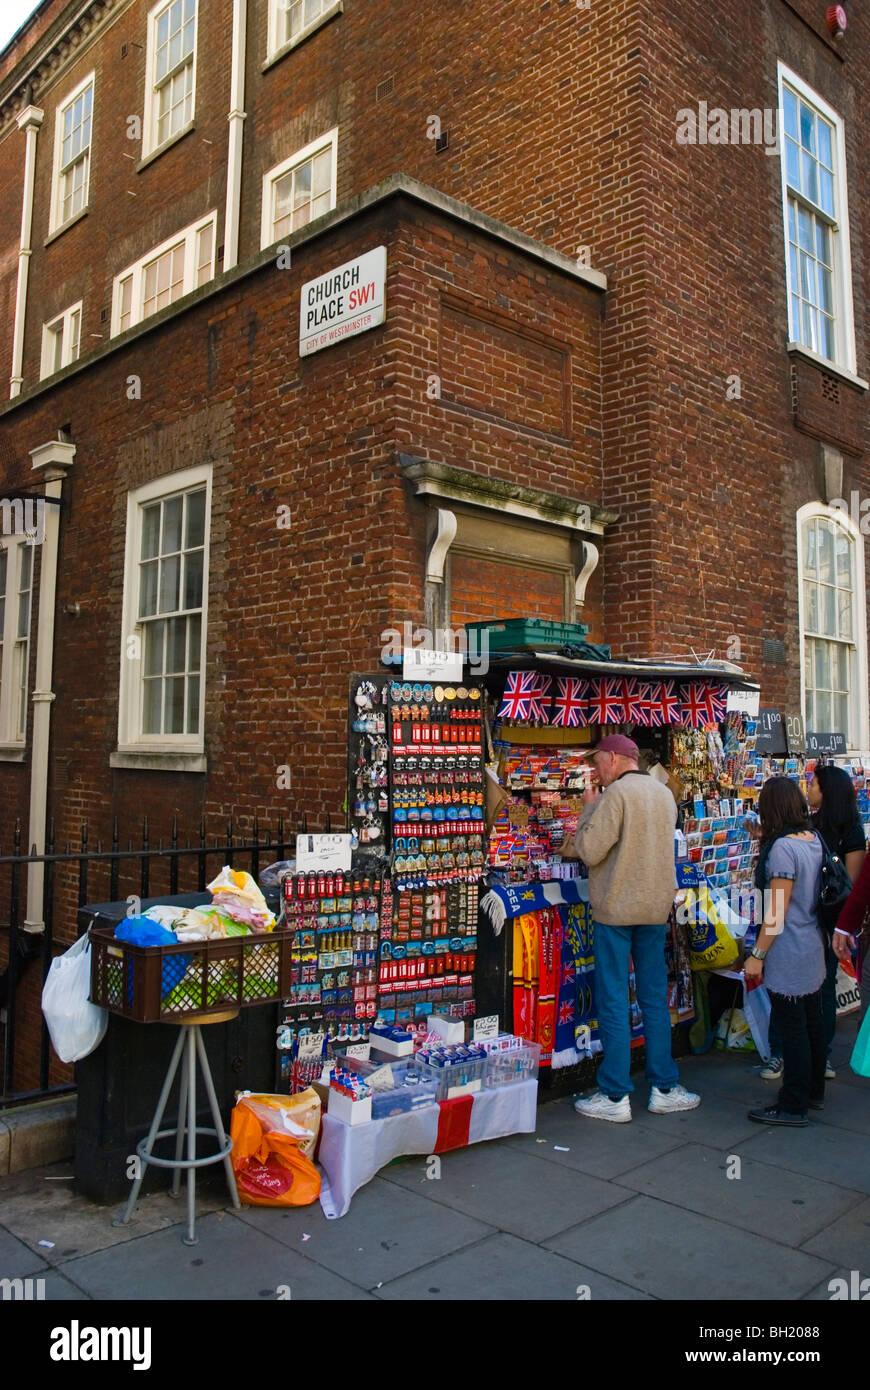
x=451, y=1030
x=350, y=1112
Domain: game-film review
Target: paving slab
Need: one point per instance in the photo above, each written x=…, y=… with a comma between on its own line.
x=788, y=1207
x=820, y=1151
x=16, y=1260
x=508, y=1188
x=503, y=1268
x=846, y=1107
x=232, y=1262
x=675, y=1254
x=718, y=1122
x=386, y=1233
x=847, y=1238
x=43, y=1206
x=595, y=1147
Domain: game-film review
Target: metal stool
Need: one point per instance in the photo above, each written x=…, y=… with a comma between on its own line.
x=189, y=1039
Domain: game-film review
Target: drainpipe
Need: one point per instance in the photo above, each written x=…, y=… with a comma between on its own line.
x=52, y=461
x=236, y=119
x=30, y=120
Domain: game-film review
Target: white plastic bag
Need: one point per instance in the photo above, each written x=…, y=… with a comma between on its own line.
x=75, y=1025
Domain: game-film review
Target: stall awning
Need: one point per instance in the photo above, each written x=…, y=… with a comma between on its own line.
x=724, y=673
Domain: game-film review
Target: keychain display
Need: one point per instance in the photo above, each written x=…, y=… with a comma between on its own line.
x=336, y=919
x=369, y=751
x=438, y=785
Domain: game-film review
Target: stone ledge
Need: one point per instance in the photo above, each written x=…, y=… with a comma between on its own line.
x=34, y=1135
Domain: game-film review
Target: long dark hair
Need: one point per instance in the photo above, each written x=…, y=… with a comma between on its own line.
x=783, y=810
x=839, y=803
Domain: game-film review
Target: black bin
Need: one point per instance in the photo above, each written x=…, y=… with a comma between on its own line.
x=119, y=1084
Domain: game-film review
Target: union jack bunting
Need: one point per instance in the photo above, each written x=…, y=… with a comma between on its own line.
x=718, y=702
x=696, y=706
x=665, y=707
x=520, y=689
x=636, y=710
x=539, y=707
x=569, y=710
x=606, y=702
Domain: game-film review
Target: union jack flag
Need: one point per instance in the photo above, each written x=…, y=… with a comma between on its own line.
x=606, y=702
x=718, y=696
x=566, y=1012
x=665, y=707
x=697, y=706
x=567, y=974
x=539, y=707
x=636, y=710
x=570, y=710
x=520, y=689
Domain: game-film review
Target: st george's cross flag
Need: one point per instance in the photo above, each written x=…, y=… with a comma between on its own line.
x=569, y=707
x=606, y=702
x=520, y=689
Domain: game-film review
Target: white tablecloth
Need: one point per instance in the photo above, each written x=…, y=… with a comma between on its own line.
x=351, y=1155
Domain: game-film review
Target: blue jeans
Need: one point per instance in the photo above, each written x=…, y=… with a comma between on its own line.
x=646, y=946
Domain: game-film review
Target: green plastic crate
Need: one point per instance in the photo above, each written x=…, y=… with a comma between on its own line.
x=528, y=632
x=535, y=634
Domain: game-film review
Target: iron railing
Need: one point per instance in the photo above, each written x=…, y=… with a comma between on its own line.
x=25, y=947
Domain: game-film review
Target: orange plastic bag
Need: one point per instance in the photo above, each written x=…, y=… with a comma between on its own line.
x=272, y=1138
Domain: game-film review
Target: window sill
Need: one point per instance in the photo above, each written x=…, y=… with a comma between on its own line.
x=70, y=222
x=13, y=752
x=798, y=350
x=165, y=761
x=332, y=13
x=167, y=145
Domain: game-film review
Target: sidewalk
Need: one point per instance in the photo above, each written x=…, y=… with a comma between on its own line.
x=580, y=1209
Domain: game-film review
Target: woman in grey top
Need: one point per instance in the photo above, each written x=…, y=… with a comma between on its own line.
x=789, y=952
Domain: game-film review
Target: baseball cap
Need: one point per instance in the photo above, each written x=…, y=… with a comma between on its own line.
x=614, y=743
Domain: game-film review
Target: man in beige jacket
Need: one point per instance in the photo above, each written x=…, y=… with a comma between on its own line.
x=625, y=835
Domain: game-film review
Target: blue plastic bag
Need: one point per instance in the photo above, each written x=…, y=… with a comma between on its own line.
x=144, y=931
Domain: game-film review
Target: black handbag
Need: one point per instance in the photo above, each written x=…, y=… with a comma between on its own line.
x=834, y=888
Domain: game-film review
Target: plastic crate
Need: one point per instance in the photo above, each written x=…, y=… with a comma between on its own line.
x=401, y=1097
x=463, y=1078
x=528, y=632
x=160, y=984
x=506, y=1066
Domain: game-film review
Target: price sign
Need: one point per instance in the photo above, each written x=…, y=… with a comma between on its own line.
x=770, y=737
x=832, y=745
x=310, y=1047
x=744, y=701
x=418, y=664
x=361, y=1051
x=795, y=733
x=322, y=852
x=485, y=1027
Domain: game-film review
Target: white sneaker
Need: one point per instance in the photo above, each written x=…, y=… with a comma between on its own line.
x=830, y=1074
x=772, y=1071
x=601, y=1107
x=677, y=1098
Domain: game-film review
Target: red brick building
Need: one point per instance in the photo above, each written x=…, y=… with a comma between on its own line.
x=620, y=373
